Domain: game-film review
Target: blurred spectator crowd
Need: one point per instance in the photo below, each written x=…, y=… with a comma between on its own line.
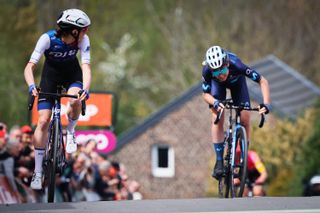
x=88, y=176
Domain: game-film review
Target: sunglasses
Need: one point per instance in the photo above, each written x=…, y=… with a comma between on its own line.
x=219, y=71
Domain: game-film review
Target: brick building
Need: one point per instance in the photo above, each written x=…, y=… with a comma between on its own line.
x=170, y=153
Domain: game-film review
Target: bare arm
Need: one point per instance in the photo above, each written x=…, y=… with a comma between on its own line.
x=262, y=170
x=264, y=85
x=86, y=69
x=208, y=98
x=28, y=75
x=262, y=178
x=86, y=76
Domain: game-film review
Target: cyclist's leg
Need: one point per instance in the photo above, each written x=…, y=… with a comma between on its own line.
x=74, y=107
x=41, y=136
x=72, y=81
x=245, y=191
x=40, y=139
x=258, y=190
x=245, y=121
x=73, y=112
x=240, y=96
x=41, y=132
x=218, y=91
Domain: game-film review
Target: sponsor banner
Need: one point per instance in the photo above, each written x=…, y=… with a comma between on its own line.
x=98, y=111
x=106, y=140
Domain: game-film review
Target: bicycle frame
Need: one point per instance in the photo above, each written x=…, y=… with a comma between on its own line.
x=233, y=131
x=236, y=132
x=54, y=158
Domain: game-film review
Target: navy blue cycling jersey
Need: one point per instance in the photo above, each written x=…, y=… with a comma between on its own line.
x=236, y=69
x=58, y=50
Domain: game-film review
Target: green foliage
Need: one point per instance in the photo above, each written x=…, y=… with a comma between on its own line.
x=118, y=72
x=149, y=52
x=307, y=162
x=19, y=29
x=280, y=143
x=170, y=38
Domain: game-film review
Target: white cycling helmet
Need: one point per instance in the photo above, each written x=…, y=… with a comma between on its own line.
x=73, y=18
x=216, y=57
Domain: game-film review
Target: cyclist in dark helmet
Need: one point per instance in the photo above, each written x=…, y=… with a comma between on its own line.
x=61, y=67
x=224, y=70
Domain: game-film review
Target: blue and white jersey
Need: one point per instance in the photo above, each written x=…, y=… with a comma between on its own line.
x=56, y=50
x=236, y=69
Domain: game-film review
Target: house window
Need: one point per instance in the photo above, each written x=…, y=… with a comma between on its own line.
x=162, y=157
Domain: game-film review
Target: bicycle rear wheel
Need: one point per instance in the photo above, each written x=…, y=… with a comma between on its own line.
x=238, y=172
x=52, y=160
x=224, y=186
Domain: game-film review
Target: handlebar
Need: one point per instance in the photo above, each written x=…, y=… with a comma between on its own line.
x=229, y=105
x=83, y=104
x=57, y=96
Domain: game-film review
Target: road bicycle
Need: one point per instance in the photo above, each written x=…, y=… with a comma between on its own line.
x=54, y=160
x=233, y=180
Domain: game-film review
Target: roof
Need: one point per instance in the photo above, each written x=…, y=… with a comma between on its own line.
x=283, y=81
x=157, y=116
x=291, y=93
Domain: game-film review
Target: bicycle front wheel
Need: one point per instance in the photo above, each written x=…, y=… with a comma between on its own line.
x=238, y=171
x=224, y=181
x=52, y=160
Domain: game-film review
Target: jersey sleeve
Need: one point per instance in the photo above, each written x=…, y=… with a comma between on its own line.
x=84, y=48
x=206, y=80
x=253, y=75
x=244, y=69
x=42, y=45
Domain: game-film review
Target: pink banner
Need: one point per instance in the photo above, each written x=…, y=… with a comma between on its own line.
x=106, y=140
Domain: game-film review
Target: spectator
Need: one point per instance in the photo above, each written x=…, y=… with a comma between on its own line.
x=312, y=188
x=90, y=148
x=27, y=134
x=134, y=188
x=25, y=160
x=2, y=140
x=3, y=127
x=63, y=183
x=88, y=176
x=104, y=181
x=79, y=169
x=15, y=133
x=7, y=163
x=96, y=158
x=26, y=157
x=88, y=184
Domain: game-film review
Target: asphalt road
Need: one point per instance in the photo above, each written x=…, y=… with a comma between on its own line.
x=204, y=205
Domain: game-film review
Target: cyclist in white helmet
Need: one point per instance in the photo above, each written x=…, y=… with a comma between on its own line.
x=61, y=67
x=224, y=70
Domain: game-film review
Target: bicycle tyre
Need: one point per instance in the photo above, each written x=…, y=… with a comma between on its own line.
x=223, y=182
x=224, y=186
x=239, y=169
x=52, y=163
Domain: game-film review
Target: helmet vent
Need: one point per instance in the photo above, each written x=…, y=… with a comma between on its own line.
x=216, y=57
